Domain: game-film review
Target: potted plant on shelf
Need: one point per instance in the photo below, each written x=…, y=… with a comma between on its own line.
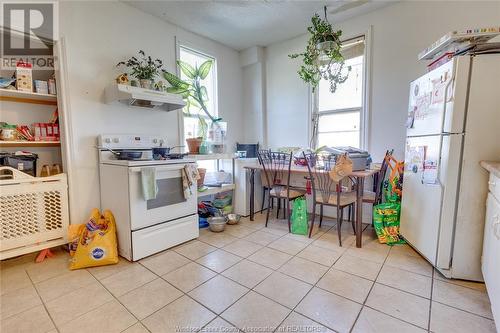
x=143, y=68
x=322, y=58
x=195, y=95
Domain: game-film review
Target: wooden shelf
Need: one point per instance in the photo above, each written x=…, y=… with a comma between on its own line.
x=30, y=143
x=10, y=95
x=216, y=190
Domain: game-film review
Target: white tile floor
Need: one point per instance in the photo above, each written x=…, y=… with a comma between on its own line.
x=248, y=278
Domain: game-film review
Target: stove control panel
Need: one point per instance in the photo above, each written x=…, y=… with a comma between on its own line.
x=124, y=141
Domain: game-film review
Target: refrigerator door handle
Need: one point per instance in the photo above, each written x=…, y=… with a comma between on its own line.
x=443, y=122
x=445, y=102
x=495, y=224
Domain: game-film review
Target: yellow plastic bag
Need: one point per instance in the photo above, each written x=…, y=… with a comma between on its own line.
x=97, y=244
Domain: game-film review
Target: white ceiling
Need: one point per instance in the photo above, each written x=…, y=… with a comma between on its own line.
x=246, y=23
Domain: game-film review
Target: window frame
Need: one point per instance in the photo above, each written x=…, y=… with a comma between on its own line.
x=315, y=114
x=188, y=46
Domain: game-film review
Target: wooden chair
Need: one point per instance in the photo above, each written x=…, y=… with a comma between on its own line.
x=327, y=192
x=276, y=167
x=265, y=189
x=375, y=197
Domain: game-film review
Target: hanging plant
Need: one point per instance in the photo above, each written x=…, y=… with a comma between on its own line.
x=322, y=58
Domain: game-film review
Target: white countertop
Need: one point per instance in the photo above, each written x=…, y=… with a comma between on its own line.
x=492, y=166
x=147, y=162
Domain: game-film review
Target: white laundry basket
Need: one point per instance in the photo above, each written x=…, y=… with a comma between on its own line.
x=33, y=212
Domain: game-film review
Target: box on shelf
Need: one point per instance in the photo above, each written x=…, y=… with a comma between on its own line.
x=443, y=59
x=41, y=87
x=8, y=132
x=22, y=161
x=24, y=76
x=455, y=40
x=46, y=131
x=52, y=86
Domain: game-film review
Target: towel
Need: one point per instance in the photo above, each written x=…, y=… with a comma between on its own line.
x=190, y=175
x=149, y=186
x=192, y=172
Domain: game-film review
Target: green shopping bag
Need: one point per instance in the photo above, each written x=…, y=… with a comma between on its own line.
x=386, y=223
x=389, y=189
x=299, y=216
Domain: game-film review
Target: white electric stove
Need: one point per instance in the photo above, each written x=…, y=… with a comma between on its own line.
x=145, y=227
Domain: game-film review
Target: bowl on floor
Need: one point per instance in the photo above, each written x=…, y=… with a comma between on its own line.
x=217, y=224
x=233, y=218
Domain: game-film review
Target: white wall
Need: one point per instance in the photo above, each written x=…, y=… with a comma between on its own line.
x=97, y=36
x=287, y=97
x=253, y=95
x=400, y=32
x=253, y=103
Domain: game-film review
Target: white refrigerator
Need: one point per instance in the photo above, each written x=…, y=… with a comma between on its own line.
x=453, y=123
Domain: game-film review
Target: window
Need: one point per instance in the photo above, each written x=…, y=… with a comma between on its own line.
x=339, y=115
x=191, y=116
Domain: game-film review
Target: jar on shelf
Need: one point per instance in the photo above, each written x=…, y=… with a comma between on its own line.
x=217, y=136
x=8, y=133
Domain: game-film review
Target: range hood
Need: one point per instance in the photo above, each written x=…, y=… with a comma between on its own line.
x=144, y=98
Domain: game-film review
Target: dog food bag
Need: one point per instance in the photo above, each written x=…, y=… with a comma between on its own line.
x=97, y=245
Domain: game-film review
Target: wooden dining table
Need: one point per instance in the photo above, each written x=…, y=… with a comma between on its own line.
x=358, y=176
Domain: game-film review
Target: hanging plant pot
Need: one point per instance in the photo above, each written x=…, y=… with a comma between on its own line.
x=325, y=46
x=322, y=58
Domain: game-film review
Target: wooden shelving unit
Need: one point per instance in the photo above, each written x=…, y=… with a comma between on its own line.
x=217, y=157
x=36, y=231
x=30, y=143
x=10, y=95
x=16, y=96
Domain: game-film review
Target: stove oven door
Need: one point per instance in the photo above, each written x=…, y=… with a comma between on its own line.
x=170, y=203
